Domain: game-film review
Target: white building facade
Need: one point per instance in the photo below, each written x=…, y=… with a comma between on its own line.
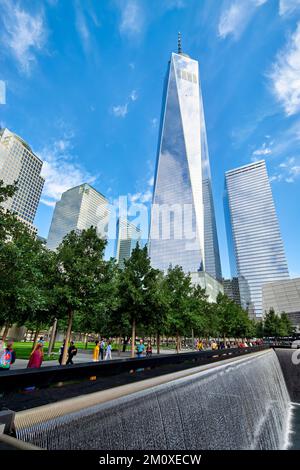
x=128, y=235
x=19, y=163
x=80, y=208
x=255, y=246
x=283, y=297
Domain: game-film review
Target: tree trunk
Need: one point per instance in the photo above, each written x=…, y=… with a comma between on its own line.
x=86, y=341
x=35, y=337
x=6, y=328
x=158, y=343
x=119, y=345
x=177, y=342
x=193, y=339
x=52, y=337
x=68, y=336
x=133, y=339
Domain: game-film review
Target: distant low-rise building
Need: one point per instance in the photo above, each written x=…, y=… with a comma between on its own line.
x=283, y=296
x=210, y=284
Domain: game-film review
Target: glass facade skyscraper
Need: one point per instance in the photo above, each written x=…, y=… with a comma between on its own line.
x=183, y=228
x=80, y=208
x=19, y=163
x=128, y=236
x=255, y=245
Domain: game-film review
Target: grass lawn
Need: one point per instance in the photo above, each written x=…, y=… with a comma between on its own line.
x=23, y=350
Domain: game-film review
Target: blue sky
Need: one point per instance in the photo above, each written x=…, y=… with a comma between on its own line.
x=84, y=84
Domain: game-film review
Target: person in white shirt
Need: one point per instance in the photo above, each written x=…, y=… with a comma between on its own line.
x=108, y=351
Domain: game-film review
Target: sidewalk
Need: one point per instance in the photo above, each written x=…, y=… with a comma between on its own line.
x=83, y=357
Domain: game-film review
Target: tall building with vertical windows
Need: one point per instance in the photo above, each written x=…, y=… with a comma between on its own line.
x=19, y=163
x=232, y=289
x=183, y=227
x=128, y=235
x=80, y=208
x=255, y=245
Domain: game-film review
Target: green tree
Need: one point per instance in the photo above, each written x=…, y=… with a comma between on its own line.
x=286, y=325
x=137, y=291
x=271, y=324
x=180, y=307
x=80, y=274
x=156, y=322
x=23, y=259
x=227, y=313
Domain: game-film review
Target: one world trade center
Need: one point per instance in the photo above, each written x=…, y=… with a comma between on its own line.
x=183, y=226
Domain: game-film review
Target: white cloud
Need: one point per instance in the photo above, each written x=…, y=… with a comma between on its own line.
x=140, y=198
x=2, y=92
x=154, y=122
x=151, y=181
x=133, y=95
x=60, y=170
x=288, y=171
x=120, y=110
x=235, y=18
x=143, y=197
x=23, y=34
x=285, y=75
x=263, y=150
x=82, y=28
x=286, y=7
x=132, y=17
x=86, y=19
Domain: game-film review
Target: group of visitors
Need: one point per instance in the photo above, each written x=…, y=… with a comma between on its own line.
x=102, y=350
x=102, y=347
x=201, y=344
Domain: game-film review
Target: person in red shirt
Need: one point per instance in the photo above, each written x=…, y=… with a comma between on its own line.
x=36, y=357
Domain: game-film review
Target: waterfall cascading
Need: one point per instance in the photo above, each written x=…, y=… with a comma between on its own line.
x=242, y=404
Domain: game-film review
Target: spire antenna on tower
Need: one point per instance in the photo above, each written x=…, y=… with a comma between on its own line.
x=179, y=43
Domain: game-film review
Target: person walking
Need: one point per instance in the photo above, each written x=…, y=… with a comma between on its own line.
x=8, y=356
x=61, y=352
x=140, y=348
x=149, y=349
x=102, y=348
x=108, y=351
x=72, y=351
x=96, y=352
x=36, y=357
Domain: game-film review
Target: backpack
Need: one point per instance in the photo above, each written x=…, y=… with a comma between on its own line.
x=6, y=359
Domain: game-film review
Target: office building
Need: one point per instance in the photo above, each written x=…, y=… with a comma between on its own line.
x=80, y=208
x=19, y=163
x=255, y=245
x=183, y=227
x=232, y=289
x=128, y=235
